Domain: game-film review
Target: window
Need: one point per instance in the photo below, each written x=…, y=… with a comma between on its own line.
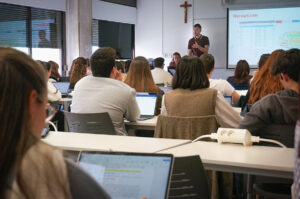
x=119, y=36
x=13, y=27
x=36, y=32
x=131, y=3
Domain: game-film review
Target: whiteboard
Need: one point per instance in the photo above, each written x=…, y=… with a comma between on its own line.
x=216, y=31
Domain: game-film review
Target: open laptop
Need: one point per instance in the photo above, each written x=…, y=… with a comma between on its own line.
x=228, y=99
x=172, y=71
x=130, y=175
x=146, y=103
x=63, y=87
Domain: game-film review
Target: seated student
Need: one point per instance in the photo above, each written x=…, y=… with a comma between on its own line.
x=102, y=92
x=160, y=76
x=53, y=93
x=193, y=97
x=243, y=101
x=221, y=85
x=55, y=76
x=121, y=69
x=29, y=167
x=139, y=77
x=241, y=78
x=264, y=83
x=79, y=70
x=127, y=66
x=275, y=115
x=261, y=62
x=175, y=60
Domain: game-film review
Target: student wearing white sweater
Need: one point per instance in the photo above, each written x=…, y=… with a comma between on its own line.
x=53, y=92
x=104, y=92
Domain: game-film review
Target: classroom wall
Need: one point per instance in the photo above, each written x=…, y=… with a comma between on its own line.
x=160, y=29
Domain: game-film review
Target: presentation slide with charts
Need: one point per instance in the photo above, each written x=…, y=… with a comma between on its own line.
x=254, y=32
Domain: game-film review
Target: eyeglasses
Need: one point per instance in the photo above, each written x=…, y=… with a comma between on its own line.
x=50, y=112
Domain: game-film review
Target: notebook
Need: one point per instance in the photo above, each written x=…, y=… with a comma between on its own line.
x=130, y=175
x=146, y=103
x=63, y=87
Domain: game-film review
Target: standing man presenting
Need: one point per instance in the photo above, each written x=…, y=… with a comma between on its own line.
x=199, y=44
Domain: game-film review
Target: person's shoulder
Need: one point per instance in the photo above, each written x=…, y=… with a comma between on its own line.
x=230, y=79
x=122, y=86
x=220, y=82
x=83, y=82
x=192, y=40
x=204, y=37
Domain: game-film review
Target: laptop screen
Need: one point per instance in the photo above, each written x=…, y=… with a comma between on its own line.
x=146, y=103
x=63, y=87
x=172, y=71
x=228, y=99
x=129, y=175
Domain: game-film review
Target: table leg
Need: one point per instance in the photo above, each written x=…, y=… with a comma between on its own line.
x=66, y=106
x=250, y=179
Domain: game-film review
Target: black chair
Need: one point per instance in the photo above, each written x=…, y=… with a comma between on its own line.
x=95, y=123
x=269, y=187
x=189, y=179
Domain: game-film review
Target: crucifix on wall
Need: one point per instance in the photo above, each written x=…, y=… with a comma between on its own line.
x=185, y=6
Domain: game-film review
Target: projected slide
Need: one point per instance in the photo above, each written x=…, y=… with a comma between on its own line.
x=255, y=32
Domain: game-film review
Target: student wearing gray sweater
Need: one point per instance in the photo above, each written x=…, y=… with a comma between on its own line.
x=275, y=115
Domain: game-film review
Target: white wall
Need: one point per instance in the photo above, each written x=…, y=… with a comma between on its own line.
x=176, y=33
x=160, y=31
x=60, y=5
x=148, y=29
x=113, y=12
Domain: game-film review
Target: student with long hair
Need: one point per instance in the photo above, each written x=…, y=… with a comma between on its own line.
x=29, y=168
x=193, y=97
x=264, y=83
x=241, y=78
x=78, y=70
x=140, y=78
x=245, y=98
x=55, y=76
x=275, y=115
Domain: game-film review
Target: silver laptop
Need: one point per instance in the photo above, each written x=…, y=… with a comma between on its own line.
x=146, y=103
x=130, y=175
x=63, y=87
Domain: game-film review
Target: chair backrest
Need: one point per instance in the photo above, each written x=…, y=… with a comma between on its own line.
x=95, y=123
x=189, y=179
x=185, y=127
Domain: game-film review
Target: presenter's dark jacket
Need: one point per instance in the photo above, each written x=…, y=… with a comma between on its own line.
x=202, y=41
x=274, y=117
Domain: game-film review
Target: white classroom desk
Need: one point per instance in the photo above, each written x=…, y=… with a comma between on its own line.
x=99, y=142
x=255, y=160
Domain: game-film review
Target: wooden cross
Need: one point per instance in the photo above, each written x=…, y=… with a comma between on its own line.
x=185, y=6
